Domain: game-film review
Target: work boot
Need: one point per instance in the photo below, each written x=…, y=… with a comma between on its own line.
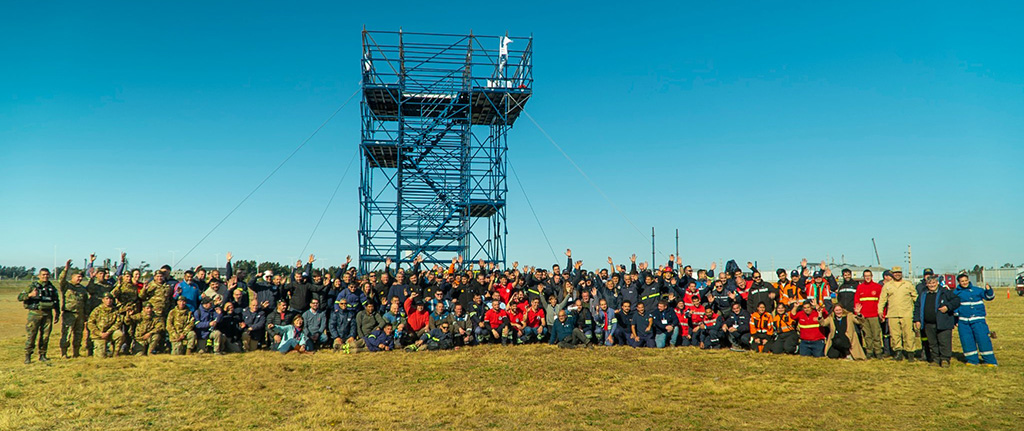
x=869, y=355
x=43, y=358
x=28, y=358
x=898, y=356
x=911, y=357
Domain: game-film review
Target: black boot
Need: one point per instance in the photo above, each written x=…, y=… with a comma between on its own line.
x=911, y=356
x=898, y=356
x=28, y=358
x=43, y=358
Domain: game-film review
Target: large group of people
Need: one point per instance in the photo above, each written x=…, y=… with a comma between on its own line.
x=808, y=311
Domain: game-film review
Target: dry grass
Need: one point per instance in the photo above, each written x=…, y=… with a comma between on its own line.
x=511, y=388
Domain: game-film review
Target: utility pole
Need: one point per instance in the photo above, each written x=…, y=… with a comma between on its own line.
x=677, y=242
x=652, y=247
x=910, y=262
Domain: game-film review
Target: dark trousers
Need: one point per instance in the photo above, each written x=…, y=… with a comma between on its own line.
x=940, y=343
x=784, y=343
x=738, y=339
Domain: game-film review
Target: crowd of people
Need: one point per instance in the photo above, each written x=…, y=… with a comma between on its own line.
x=807, y=312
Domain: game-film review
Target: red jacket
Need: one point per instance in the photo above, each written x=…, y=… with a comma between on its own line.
x=684, y=326
x=867, y=297
x=496, y=317
x=533, y=318
x=415, y=320
x=807, y=324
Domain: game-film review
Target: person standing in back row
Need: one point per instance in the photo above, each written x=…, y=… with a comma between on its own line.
x=899, y=296
x=971, y=325
x=933, y=316
x=41, y=299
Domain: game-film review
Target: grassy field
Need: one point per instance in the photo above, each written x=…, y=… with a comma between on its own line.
x=509, y=388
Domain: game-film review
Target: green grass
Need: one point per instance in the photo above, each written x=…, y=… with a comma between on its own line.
x=536, y=387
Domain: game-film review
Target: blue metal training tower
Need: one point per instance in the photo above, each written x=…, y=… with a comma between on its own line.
x=435, y=112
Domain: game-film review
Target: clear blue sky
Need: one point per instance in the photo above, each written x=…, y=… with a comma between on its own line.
x=763, y=132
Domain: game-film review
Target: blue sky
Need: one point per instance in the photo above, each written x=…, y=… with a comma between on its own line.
x=761, y=132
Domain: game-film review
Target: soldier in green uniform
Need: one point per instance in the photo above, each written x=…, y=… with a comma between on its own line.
x=148, y=330
x=105, y=327
x=75, y=298
x=41, y=300
x=98, y=286
x=180, y=325
x=158, y=294
x=126, y=299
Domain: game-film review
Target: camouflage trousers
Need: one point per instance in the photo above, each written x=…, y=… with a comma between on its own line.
x=38, y=327
x=185, y=346
x=114, y=341
x=71, y=328
x=147, y=347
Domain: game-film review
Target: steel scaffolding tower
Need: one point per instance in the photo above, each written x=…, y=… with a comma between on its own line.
x=436, y=110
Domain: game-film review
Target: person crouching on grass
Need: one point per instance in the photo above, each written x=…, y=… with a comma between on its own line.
x=292, y=337
x=842, y=341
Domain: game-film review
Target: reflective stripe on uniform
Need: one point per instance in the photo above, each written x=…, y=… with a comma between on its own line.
x=973, y=352
x=869, y=298
x=809, y=326
x=971, y=303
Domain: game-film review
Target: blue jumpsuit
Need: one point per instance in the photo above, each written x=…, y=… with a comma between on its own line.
x=972, y=326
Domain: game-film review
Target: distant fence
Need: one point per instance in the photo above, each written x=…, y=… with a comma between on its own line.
x=1001, y=277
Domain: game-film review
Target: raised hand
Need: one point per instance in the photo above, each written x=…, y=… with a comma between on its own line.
x=803, y=262
x=633, y=258
x=228, y=256
x=387, y=262
x=858, y=307
x=713, y=266
x=515, y=264
x=610, y=261
x=123, y=254
x=298, y=263
x=750, y=265
x=568, y=252
x=68, y=264
x=92, y=257
x=348, y=259
x=822, y=265
x=311, y=258
x=679, y=260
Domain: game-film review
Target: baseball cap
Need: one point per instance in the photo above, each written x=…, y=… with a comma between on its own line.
x=928, y=271
x=896, y=269
x=818, y=274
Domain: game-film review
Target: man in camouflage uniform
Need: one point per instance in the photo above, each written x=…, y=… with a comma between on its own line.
x=126, y=300
x=157, y=293
x=180, y=325
x=105, y=327
x=99, y=285
x=41, y=300
x=75, y=298
x=149, y=328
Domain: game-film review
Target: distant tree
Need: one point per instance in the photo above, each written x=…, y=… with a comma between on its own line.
x=143, y=266
x=277, y=268
x=1008, y=265
x=244, y=266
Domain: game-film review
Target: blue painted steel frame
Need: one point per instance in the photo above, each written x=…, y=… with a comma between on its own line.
x=436, y=110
